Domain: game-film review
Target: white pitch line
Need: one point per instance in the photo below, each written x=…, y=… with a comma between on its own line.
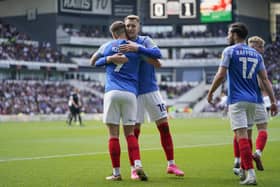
x=100, y=153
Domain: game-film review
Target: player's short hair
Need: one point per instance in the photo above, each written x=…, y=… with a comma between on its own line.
x=132, y=17
x=240, y=29
x=256, y=40
x=117, y=27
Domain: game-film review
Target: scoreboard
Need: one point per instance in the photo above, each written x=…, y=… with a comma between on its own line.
x=189, y=11
x=161, y=9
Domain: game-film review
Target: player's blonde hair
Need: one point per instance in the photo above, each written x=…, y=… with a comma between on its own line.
x=132, y=17
x=257, y=40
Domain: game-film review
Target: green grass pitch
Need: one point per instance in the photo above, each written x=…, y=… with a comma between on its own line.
x=49, y=154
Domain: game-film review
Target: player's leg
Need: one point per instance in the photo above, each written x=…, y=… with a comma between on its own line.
x=140, y=117
x=137, y=130
x=156, y=108
x=75, y=115
x=128, y=111
x=237, y=160
x=261, y=120
x=260, y=145
x=71, y=114
x=115, y=151
x=79, y=116
x=241, y=114
x=111, y=117
x=69, y=118
x=261, y=138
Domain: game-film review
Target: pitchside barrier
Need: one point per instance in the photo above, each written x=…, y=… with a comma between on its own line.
x=63, y=117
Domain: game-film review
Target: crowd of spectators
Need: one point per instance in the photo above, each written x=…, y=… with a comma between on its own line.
x=272, y=60
x=10, y=32
x=276, y=88
x=16, y=45
x=14, y=50
x=97, y=31
x=86, y=31
x=219, y=104
x=206, y=34
x=174, y=89
x=39, y=97
x=202, y=54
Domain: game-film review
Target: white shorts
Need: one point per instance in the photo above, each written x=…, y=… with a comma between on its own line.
x=120, y=105
x=242, y=115
x=152, y=104
x=266, y=101
x=261, y=114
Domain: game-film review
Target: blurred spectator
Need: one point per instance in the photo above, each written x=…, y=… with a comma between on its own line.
x=38, y=97
x=174, y=89
x=16, y=47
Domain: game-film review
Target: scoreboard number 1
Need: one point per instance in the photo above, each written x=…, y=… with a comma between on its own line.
x=188, y=9
x=158, y=9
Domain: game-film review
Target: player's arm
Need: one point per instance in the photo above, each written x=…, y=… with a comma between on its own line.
x=268, y=88
x=155, y=62
x=117, y=58
x=219, y=78
x=150, y=51
x=221, y=73
x=260, y=84
x=99, y=53
x=94, y=58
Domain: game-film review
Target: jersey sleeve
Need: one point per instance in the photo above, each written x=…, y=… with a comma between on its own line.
x=149, y=48
x=262, y=66
x=101, y=50
x=149, y=43
x=101, y=61
x=226, y=55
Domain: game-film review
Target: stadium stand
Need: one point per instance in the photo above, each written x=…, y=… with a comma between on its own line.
x=19, y=46
x=42, y=97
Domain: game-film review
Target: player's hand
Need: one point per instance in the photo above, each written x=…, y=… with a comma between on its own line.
x=118, y=58
x=210, y=98
x=130, y=47
x=273, y=109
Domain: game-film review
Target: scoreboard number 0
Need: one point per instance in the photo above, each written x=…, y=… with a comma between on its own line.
x=158, y=9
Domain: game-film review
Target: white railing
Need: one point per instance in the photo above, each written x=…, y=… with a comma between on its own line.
x=166, y=42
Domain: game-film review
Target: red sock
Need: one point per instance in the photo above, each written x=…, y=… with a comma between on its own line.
x=242, y=165
x=236, y=147
x=133, y=149
x=251, y=144
x=115, y=152
x=136, y=132
x=166, y=140
x=245, y=153
x=261, y=140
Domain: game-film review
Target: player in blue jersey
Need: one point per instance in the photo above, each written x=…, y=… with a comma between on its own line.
x=260, y=119
x=120, y=100
x=149, y=98
x=242, y=64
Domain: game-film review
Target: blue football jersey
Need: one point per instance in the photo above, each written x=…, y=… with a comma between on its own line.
x=122, y=77
x=147, y=75
x=243, y=64
x=259, y=96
